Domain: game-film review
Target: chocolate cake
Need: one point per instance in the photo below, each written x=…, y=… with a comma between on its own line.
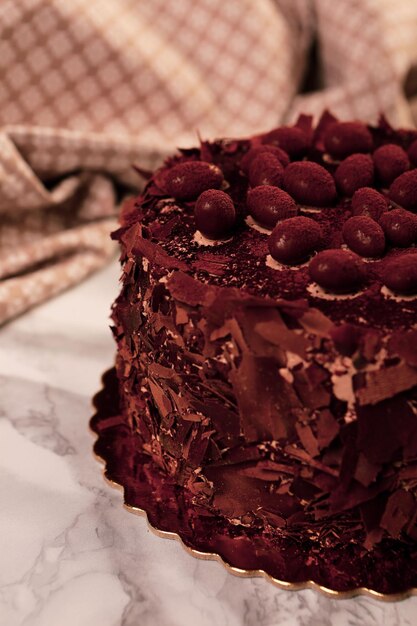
x=267, y=348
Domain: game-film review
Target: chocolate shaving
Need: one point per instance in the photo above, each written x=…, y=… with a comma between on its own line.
x=214, y=264
x=404, y=344
x=366, y=472
x=276, y=332
x=129, y=237
x=377, y=385
x=189, y=290
x=163, y=231
x=384, y=428
x=400, y=507
x=161, y=400
x=327, y=428
x=307, y=438
x=265, y=400
x=309, y=384
x=155, y=254
x=315, y=322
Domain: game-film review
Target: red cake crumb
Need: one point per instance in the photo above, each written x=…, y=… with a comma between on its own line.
x=185, y=181
x=344, y=138
x=309, y=183
x=291, y=139
x=337, y=270
x=265, y=169
x=403, y=190
x=294, y=239
x=390, y=161
x=268, y=205
x=369, y=202
x=400, y=227
x=364, y=236
x=354, y=172
x=214, y=214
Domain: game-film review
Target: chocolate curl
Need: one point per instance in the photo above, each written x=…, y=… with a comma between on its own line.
x=324, y=122
x=190, y=291
x=327, y=428
x=156, y=254
x=164, y=231
x=307, y=438
x=315, y=322
x=146, y=174
x=276, y=332
x=214, y=264
x=400, y=508
x=309, y=383
x=404, y=344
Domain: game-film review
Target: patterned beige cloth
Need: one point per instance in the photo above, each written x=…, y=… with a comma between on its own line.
x=89, y=87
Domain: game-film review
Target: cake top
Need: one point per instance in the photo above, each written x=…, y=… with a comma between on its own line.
x=325, y=214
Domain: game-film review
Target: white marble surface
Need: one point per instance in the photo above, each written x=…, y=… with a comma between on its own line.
x=70, y=554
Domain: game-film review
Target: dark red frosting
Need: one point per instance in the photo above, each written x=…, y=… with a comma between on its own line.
x=272, y=407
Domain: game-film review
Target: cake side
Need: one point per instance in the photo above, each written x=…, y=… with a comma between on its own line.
x=245, y=402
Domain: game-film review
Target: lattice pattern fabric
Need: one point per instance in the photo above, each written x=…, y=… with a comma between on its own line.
x=88, y=88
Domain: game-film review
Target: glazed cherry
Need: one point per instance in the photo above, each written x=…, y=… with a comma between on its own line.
x=252, y=153
x=369, y=202
x=400, y=274
x=400, y=227
x=344, y=138
x=364, y=236
x=291, y=139
x=309, y=183
x=269, y=205
x=185, y=181
x=338, y=270
x=215, y=214
x=390, y=161
x=265, y=169
x=294, y=240
x=403, y=190
x=354, y=172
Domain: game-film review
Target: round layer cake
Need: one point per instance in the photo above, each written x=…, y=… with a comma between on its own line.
x=267, y=343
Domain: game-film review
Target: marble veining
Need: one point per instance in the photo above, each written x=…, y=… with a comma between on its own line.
x=71, y=555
